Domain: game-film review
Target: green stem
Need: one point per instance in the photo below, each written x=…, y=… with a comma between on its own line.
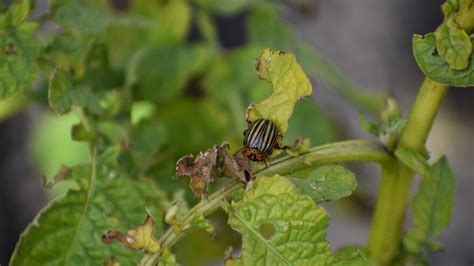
x=396, y=179
x=354, y=150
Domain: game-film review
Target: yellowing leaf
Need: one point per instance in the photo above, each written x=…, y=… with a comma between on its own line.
x=140, y=238
x=301, y=145
x=280, y=226
x=289, y=83
x=167, y=258
x=465, y=16
x=111, y=261
x=453, y=44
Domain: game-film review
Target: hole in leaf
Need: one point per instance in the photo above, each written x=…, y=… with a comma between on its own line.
x=267, y=230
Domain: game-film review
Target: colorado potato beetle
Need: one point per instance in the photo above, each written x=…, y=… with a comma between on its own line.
x=260, y=139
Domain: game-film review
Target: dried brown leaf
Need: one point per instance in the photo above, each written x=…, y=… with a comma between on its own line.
x=140, y=238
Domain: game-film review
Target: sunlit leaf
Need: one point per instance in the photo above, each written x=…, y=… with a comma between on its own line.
x=289, y=82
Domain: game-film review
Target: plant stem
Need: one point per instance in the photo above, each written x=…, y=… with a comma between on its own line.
x=396, y=179
x=354, y=150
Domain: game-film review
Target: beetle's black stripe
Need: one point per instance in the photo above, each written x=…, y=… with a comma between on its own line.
x=261, y=135
x=256, y=130
x=259, y=141
x=270, y=141
x=252, y=133
x=265, y=137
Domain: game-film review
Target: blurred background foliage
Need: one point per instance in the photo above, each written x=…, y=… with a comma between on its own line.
x=161, y=79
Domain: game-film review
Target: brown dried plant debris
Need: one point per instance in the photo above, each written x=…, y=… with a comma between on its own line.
x=213, y=163
x=140, y=238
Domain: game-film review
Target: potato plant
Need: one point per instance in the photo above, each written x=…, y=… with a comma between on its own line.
x=147, y=93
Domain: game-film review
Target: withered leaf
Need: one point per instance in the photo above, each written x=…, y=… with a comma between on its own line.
x=215, y=162
x=199, y=170
x=236, y=166
x=111, y=261
x=60, y=176
x=140, y=238
x=301, y=145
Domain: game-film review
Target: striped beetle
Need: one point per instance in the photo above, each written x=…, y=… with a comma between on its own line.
x=260, y=139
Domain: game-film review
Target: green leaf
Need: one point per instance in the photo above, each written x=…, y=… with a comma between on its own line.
x=18, y=49
x=167, y=258
x=63, y=94
x=199, y=222
x=465, y=16
x=434, y=67
x=453, y=44
x=171, y=23
x=160, y=74
x=265, y=28
x=15, y=14
x=414, y=160
x=369, y=127
x=289, y=82
x=97, y=72
x=327, y=183
x=80, y=133
x=322, y=69
x=76, y=15
x=207, y=27
x=295, y=231
x=89, y=18
x=432, y=206
x=66, y=50
x=434, y=246
x=148, y=137
x=359, y=255
x=449, y=7
x=68, y=231
x=223, y=6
